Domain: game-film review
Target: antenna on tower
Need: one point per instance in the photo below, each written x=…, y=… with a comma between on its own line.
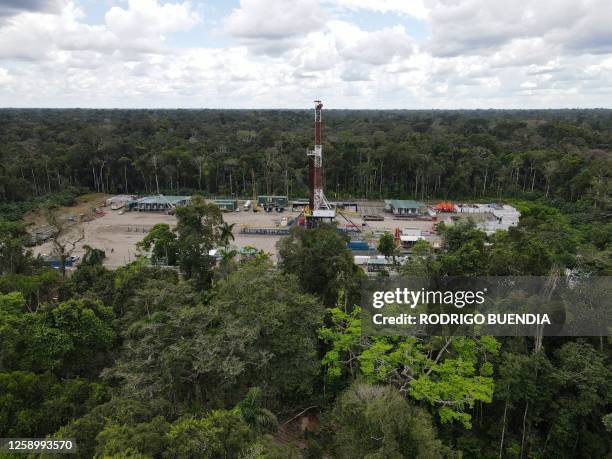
x=319, y=207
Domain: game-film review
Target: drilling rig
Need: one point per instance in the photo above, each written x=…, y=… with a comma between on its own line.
x=318, y=209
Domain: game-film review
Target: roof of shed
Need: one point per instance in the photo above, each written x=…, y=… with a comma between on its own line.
x=405, y=203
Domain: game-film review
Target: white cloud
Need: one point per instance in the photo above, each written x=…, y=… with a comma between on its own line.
x=139, y=28
x=275, y=19
x=149, y=18
x=537, y=53
x=414, y=8
x=479, y=26
x=374, y=48
x=4, y=76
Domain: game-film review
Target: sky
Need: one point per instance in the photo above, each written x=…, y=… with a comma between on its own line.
x=376, y=54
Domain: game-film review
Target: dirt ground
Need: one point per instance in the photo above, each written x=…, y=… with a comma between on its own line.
x=118, y=234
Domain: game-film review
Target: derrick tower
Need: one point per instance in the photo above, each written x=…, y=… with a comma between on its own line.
x=319, y=207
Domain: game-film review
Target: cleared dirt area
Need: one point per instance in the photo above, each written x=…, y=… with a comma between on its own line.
x=117, y=234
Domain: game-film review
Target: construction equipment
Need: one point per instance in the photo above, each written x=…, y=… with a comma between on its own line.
x=445, y=206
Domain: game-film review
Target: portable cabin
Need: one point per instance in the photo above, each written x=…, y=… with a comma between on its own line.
x=405, y=207
x=409, y=236
x=358, y=245
x=272, y=202
x=226, y=205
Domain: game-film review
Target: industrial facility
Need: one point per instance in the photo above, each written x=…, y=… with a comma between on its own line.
x=159, y=203
x=260, y=226
x=319, y=209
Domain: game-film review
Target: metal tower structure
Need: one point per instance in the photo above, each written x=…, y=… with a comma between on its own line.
x=319, y=206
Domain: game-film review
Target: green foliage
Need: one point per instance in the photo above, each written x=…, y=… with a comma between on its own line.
x=13, y=257
x=70, y=337
x=386, y=245
x=319, y=259
x=376, y=422
x=129, y=278
x=15, y=207
x=451, y=376
x=92, y=256
x=33, y=405
x=198, y=232
x=345, y=341
x=464, y=252
x=226, y=234
x=178, y=347
x=220, y=434
x=36, y=287
x=257, y=417
x=542, y=239
x=163, y=242
x=117, y=411
x=146, y=439
x=258, y=330
x=420, y=261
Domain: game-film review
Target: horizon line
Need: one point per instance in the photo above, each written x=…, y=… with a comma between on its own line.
x=305, y=108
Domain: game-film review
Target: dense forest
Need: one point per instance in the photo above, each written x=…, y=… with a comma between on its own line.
x=245, y=358
x=562, y=155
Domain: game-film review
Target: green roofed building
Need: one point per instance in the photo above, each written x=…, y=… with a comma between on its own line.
x=405, y=207
x=272, y=201
x=228, y=205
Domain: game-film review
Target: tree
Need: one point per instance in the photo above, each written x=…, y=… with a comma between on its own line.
x=376, y=421
x=114, y=412
x=65, y=237
x=386, y=246
x=13, y=256
x=464, y=252
x=145, y=439
x=221, y=433
x=451, y=374
x=320, y=260
x=92, y=256
x=258, y=329
x=37, y=404
x=163, y=243
x=254, y=414
x=70, y=338
x=226, y=234
x=345, y=342
x=125, y=162
x=198, y=232
x=421, y=260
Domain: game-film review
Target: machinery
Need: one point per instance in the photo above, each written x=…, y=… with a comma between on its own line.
x=445, y=206
x=319, y=208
